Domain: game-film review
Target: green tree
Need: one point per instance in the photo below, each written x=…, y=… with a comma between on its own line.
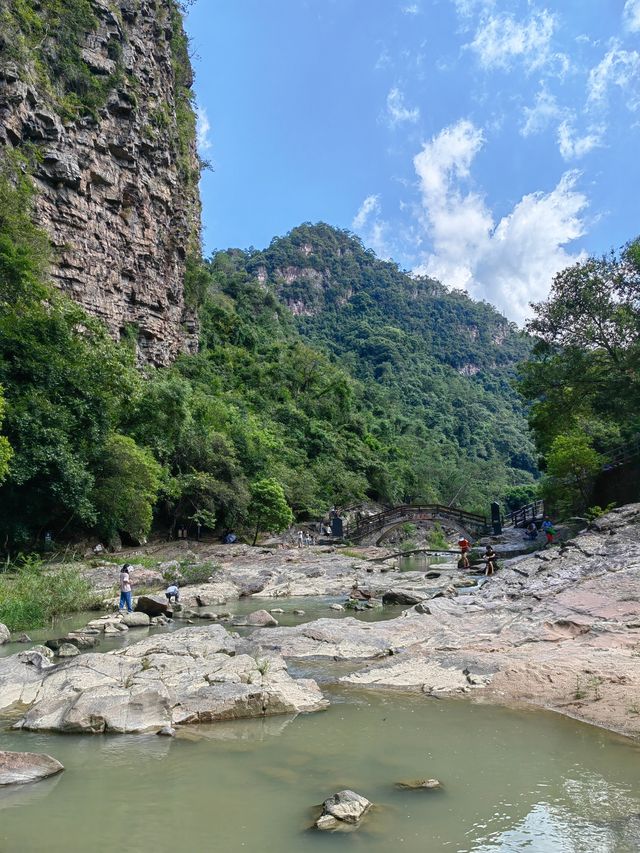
x=269, y=509
x=127, y=484
x=6, y=451
x=572, y=464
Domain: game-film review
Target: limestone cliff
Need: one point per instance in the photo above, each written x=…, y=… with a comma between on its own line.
x=96, y=97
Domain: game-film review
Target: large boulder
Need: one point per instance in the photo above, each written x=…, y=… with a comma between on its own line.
x=5, y=634
x=403, y=596
x=153, y=605
x=189, y=676
x=345, y=807
x=261, y=619
x=136, y=620
x=17, y=768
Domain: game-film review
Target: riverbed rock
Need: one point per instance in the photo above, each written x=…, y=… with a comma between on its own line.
x=5, y=634
x=152, y=605
x=419, y=784
x=67, y=650
x=261, y=619
x=19, y=768
x=343, y=807
x=136, y=620
x=403, y=596
x=193, y=675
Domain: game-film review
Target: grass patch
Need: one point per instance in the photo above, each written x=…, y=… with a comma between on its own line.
x=32, y=595
x=349, y=552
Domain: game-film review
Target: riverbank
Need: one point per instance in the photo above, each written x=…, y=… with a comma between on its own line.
x=558, y=629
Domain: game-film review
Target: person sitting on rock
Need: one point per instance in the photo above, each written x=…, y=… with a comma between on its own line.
x=489, y=558
x=531, y=531
x=173, y=593
x=465, y=547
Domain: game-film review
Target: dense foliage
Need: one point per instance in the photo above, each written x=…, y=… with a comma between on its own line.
x=365, y=398
x=583, y=378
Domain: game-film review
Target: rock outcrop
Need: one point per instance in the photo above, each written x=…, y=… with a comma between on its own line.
x=194, y=675
x=18, y=768
x=117, y=175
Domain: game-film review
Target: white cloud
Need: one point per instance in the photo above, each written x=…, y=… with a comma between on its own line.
x=467, y=8
x=371, y=227
x=619, y=68
x=412, y=9
x=538, y=117
x=501, y=39
x=397, y=110
x=203, y=129
x=370, y=205
x=510, y=263
x=572, y=146
x=631, y=15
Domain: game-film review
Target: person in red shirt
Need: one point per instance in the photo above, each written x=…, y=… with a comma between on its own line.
x=465, y=547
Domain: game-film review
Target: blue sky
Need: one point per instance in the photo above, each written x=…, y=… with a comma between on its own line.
x=488, y=143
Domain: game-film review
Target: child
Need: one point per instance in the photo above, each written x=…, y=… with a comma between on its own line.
x=549, y=530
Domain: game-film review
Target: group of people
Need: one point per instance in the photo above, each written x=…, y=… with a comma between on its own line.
x=172, y=592
x=305, y=539
x=489, y=557
x=531, y=533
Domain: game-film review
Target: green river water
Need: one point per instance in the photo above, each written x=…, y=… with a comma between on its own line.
x=512, y=780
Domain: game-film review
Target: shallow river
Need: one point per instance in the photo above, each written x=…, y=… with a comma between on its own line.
x=513, y=781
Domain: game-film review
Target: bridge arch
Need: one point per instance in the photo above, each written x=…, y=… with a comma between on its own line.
x=365, y=528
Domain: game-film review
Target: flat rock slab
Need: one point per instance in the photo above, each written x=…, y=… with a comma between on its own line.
x=194, y=675
x=18, y=768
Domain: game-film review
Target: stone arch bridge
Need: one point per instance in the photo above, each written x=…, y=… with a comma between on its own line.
x=379, y=525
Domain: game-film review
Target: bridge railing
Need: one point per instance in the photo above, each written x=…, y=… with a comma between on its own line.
x=412, y=511
x=531, y=512
x=623, y=454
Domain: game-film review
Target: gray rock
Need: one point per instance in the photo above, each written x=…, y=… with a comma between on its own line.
x=167, y=731
x=345, y=807
x=403, y=596
x=152, y=605
x=24, y=638
x=419, y=784
x=298, y=612
x=18, y=768
x=190, y=676
x=336, y=607
x=136, y=620
x=261, y=619
x=5, y=634
x=67, y=650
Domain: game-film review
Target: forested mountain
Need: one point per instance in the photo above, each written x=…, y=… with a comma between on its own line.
x=436, y=367
x=378, y=386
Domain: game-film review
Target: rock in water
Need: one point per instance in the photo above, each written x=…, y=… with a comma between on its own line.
x=136, y=620
x=187, y=677
x=343, y=807
x=5, y=634
x=261, y=619
x=402, y=596
x=17, y=768
x=67, y=650
x=152, y=605
x=419, y=784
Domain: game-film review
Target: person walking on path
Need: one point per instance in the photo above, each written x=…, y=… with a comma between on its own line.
x=125, y=588
x=549, y=530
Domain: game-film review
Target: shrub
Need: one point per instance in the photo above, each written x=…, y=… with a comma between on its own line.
x=34, y=594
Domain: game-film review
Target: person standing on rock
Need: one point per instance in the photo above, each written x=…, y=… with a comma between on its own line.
x=125, y=588
x=549, y=530
x=465, y=547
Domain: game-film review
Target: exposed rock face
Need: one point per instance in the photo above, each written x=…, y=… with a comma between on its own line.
x=17, y=768
x=5, y=634
x=117, y=190
x=191, y=676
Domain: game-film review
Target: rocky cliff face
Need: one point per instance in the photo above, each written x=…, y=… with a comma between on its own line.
x=95, y=95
